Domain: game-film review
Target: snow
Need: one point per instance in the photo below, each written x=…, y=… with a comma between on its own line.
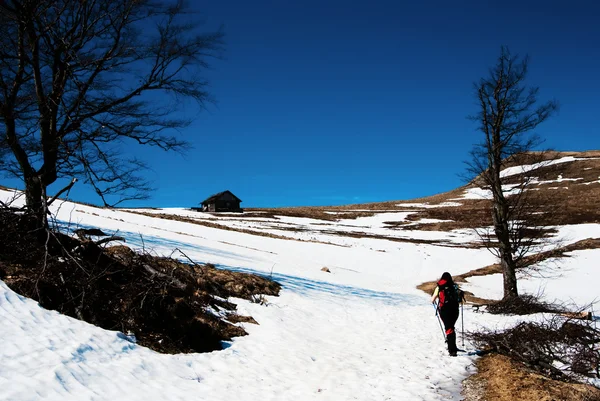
x=361, y=332
x=559, y=179
x=572, y=280
x=307, y=346
x=175, y=211
x=480, y=193
x=429, y=206
x=306, y=229
x=593, y=182
x=513, y=189
x=577, y=232
x=530, y=167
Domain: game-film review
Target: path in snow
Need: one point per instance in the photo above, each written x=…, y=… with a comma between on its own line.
x=362, y=332
x=308, y=346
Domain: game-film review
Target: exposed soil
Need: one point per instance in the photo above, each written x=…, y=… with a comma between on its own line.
x=168, y=305
x=500, y=379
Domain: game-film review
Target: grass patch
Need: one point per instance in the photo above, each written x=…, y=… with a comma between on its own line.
x=499, y=378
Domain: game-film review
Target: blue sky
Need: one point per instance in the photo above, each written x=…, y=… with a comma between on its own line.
x=335, y=102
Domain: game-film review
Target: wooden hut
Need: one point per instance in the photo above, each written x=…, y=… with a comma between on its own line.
x=222, y=202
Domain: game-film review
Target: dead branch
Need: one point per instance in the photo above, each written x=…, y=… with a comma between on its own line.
x=109, y=239
x=189, y=259
x=65, y=189
x=172, y=280
x=562, y=348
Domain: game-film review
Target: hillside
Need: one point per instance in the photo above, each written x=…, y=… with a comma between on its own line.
x=349, y=321
x=568, y=185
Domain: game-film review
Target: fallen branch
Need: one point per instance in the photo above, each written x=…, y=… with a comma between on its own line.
x=578, y=315
x=109, y=239
x=155, y=272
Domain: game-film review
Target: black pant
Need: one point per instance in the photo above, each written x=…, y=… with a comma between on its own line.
x=449, y=315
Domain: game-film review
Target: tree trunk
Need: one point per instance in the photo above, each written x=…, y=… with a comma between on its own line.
x=507, y=262
x=35, y=199
x=510, y=277
x=502, y=230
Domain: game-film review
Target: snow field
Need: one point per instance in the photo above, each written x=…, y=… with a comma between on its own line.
x=307, y=346
x=361, y=332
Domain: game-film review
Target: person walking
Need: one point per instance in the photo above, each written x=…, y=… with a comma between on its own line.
x=449, y=296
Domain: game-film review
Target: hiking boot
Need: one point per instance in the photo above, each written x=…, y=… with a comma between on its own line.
x=452, y=343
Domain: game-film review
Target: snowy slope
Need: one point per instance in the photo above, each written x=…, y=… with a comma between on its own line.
x=361, y=332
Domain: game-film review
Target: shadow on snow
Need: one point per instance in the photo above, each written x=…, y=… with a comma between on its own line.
x=305, y=286
x=149, y=243
x=296, y=284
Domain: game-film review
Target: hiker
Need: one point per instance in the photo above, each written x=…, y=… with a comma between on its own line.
x=449, y=297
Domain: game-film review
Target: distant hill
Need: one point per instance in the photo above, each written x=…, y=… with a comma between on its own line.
x=568, y=183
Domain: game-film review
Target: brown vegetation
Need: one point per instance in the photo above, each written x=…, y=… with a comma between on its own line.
x=498, y=378
x=219, y=226
x=259, y=233
x=572, y=342
x=168, y=305
x=575, y=205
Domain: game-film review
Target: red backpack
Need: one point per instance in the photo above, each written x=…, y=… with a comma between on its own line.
x=449, y=294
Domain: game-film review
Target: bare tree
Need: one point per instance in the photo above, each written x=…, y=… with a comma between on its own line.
x=508, y=115
x=80, y=81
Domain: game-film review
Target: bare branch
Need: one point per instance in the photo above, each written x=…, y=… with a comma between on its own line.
x=110, y=239
x=79, y=84
x=65, y=189
x=508, y=112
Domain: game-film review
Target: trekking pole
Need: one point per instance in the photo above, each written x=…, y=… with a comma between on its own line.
x=440, y=322
x=462, y=324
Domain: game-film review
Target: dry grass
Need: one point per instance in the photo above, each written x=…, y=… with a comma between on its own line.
x=310, y=212
x=575, y=205
x=501, y=379
x=293, y=229
x=224, y=227
x=387, y=238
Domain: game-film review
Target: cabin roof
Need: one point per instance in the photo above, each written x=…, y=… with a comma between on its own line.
x=215, y=197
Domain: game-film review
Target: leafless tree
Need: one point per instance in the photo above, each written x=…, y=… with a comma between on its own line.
x=83, y=80
x=508, y=115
